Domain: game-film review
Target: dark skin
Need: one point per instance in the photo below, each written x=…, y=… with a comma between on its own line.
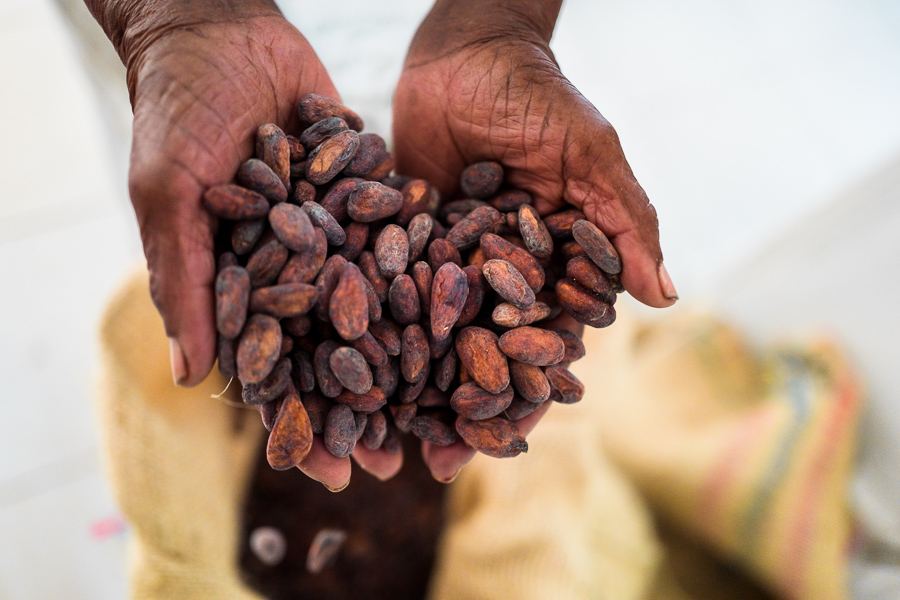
x=204, y=75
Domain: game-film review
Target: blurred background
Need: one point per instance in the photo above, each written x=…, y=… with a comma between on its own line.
x=767, y=136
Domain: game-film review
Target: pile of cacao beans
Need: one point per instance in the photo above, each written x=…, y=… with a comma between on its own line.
x=353, y=304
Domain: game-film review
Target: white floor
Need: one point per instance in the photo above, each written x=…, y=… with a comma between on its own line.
x=768, y=139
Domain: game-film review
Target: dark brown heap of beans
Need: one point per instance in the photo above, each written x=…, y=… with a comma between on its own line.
x=353, y=304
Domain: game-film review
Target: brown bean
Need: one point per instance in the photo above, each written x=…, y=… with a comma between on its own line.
x=392, y=251
x=256, y=175
x=509, y=283
x=292, y=436
x=507, y=315
x=597, y=246
x=533, y=346
x=445, y=370
x=356, y=235
x=303, y=267
x=387, y=377
x=366, y=402
x=432, y=397
x=438, y=347
x=320, y=131
x=335, y=201
x=423, y=278
x=369, y=347
x=327, y=280
x=369, y=267
x=495, y=437
x=529, y=381
x=417, y=233
x=304, y=191
x=371, y=153
x=574, y=346
x=414, y=353
x=292, y=227
x=432, y=430
x=328, y=382
x=534, y=233
x=271, y=387
x=403, y=300
x=317, y=407
x=481, y=180
x=297, y=326
x=584, y=306
x=449, y=290
x=303, y=374
x=403, y=415
x=388, y=335
x=417, y=197
x=235, y=203
x=298, y=152
x=320, y=217
x=479, y=352
x=330, y=157
x=570, y=249
x=266, y=262
x=468, y=231
x=477, y=258
x=372, y=301
x=245, y=235
x=589, y=276
x=273, y=149
x=371, y=201
x=268, y=412
x=472, y=402
x=258, y=348
x=440, y=252
x=285, y=300
x=520, y=408
x=226, y=259
x=497, y=248
x=313, y=108
x=376, y=430
x=562, y=380
x=351, y=369
x=560, y=224
x=384, y=168
x=340, y=431
x=510, y=200
x=348, y=308
x=232, y=300
x=225, y=356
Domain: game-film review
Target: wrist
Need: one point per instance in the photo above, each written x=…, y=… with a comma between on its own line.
x=455, y=24
x=134, y=25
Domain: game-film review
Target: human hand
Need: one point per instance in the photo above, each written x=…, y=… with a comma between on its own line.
x=202, y=79
x=480, y=83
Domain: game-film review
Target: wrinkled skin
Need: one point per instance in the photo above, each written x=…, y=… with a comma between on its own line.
x=199, y=93
x=501, y=96
x=201, y=87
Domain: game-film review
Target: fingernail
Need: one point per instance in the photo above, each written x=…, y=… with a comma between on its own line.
x=337, y=489
x=665, y=282
x=179, y=366
x=449, y=479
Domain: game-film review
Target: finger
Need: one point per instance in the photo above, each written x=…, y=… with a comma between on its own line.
x=445, y=462
x=599, y=181
x=178, y=245
x=380, y=463
x=324, y=467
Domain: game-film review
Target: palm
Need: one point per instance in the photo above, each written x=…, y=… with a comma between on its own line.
x=506, y=100
x=200, y=95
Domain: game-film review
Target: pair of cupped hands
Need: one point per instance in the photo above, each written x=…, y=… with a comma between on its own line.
x=474, y=87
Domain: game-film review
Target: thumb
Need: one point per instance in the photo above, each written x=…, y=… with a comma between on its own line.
x=599, y=181
x=177, y=235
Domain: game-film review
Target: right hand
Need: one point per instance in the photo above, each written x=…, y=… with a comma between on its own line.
x=199, y=92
